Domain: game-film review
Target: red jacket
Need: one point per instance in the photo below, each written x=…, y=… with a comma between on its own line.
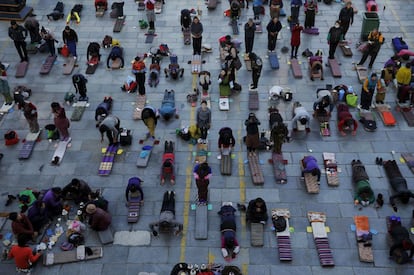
x=295, y=39
x=343, y=117
x=23, y=256
x=22, y=227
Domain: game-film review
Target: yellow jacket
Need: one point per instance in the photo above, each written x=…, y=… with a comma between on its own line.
x=403, y=75
x=75, y=15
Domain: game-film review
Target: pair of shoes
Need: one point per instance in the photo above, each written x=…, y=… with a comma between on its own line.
x=378, y=161
x=381, y=102
x=312, y=78
x=322, y=78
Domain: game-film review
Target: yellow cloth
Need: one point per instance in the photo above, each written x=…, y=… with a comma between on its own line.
x=403, y=75
x=69, y=17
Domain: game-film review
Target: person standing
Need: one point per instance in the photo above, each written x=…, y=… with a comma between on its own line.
x=18, y=34
x=294, y=10
x=346, y=17
x=334, y=36
x=249, y=31
x=79, y=82
x=150, y=118
x=32, y=25
x=49, y=37
x=375, y=40
x=252, y=136
x=203, y=120
x=273, y=29
x=257, y=9
x=5, y=88
x=150, y=9
x=23, y=255
x=70, y=38
x=274, y=8
x=257, y=65
x=311, y=8
x=368, y=89
x=295, y=40
x=111, y=126
x=61, y=121
x=30, y=113
x=139, y=70
x=196, y=29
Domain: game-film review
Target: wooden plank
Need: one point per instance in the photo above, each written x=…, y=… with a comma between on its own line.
x=119, y=23
x=69, y=65
x=364, y=248
x=139, y=106
x=279, y=168
x=334, y=66
x=256, y=234
x=106, y=236
x=255, y=169
x=253, y=100
x=201, y=222
x=296, y=70
x=331, y=168
x=47, y=64
x=21, y=69
x=226, y=162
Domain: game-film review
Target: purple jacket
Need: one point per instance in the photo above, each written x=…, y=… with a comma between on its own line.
x=310, y=163
x=50, y=200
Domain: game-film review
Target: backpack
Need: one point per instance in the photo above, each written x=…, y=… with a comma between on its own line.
x=11, y=138
x=279, y=223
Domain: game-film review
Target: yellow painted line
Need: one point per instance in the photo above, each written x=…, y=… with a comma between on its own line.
x=244, y=269
x=242, y=183
x=188, y=180
x=211, y=258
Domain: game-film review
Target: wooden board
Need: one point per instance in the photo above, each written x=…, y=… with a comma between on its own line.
x=283, y=238
x=21, y=69
x=409, y=117
x=279, y=168
x=27, y=148
x=107, y=162
x=385, y=113
x=324, y=126
x=311, y=182
x=334, y=66
x=331, y=168
x=69, y=65
x=362, y=227
x=196, y=64
x=273, y=60
x=253, y=100
x=119, y=23
x=409, y=159
x=149, y=37
x=296, y=70
x=62, y=257
x=226, y=162
x=47, y=64
x=202, y=153
x=361, y=73
x=92, y=65
x=133, y=211
x=256, y=234
x=317, y=221
x=60, y=152
x=144, y=157
x=139, y=106
x=79, y=109
x=255, y=169
x=346, y=49
x=201, y=222
x=106, y=236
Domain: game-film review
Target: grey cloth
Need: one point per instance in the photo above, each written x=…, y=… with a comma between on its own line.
x=203, y=117
x=299, y=113
x=151, y=15
x=196, y=29
x=111, y=122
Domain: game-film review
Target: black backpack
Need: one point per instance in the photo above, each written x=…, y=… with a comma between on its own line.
x=279, y=223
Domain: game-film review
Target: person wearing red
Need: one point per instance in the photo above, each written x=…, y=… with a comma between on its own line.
x=295, y=40
x=345, y=120
x=168, y=158
x=23, y=255
x=61, y=121
x=21, y=225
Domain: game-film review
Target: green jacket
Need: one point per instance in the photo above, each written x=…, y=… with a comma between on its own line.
x=364, y=186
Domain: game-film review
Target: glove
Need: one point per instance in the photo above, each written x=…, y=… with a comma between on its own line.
x=307, y=130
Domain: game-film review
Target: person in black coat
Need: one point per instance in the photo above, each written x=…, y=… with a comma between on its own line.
x=401, y=243
x=249, y=31
x=273, y=29
x=257, y=211
x=334, y=37
x=18, y=34
x=257, y=65
x=346, y=18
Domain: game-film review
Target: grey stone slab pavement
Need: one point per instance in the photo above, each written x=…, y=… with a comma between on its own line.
x=82, y=159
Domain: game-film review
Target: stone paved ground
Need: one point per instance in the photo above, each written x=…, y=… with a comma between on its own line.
x=83, y=158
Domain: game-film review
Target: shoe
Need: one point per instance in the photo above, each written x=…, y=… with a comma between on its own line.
x=377, y=160
x=312, y=78
x=380, y=161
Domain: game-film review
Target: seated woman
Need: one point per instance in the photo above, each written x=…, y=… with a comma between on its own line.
x=38, y=215
x=77, y=190
x=345, y=120
x=168, y=158
x=257, y=211
x=168, y=110
x=363, y=192
x=398, y=183
x=99, y=220
x=53, y=201
x=134, y=192
x=229, y=245
x=26, y=199
x=167, y=222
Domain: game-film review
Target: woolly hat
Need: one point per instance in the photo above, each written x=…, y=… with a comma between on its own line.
x=91, y=208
